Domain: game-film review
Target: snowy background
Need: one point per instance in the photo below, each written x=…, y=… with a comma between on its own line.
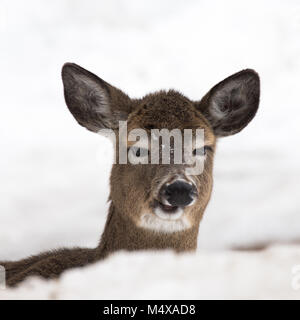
x=54, y=174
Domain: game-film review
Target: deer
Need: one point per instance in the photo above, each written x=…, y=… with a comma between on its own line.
x=154, y=206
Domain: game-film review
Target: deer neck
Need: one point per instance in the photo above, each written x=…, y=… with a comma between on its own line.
x=120, y=233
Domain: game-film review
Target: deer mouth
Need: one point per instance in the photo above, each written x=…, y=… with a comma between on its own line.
x=167, y=212
x=167, y=208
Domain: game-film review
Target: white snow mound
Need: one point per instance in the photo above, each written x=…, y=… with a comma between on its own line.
x=268, y=274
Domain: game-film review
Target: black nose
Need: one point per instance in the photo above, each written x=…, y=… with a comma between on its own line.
x=179, y=193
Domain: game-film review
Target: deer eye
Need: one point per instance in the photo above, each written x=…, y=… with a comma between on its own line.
x=139, y=152
x=201, y=151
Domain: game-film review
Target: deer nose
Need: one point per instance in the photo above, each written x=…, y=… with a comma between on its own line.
x=179, y=193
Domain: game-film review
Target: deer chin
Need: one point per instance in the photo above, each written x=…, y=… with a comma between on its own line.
x=166, y=212
x=162, y=223
x=163, y=218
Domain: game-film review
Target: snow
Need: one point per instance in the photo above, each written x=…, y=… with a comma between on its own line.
x=231, y=275
x=54, y=174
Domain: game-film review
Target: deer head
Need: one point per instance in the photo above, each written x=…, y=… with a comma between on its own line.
x=161, y=198
x=154, y=205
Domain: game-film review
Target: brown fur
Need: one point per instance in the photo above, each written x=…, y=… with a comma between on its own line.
x=134, y=188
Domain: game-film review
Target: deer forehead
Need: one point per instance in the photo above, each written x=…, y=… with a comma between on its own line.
x=169, y=110
x=166, y=110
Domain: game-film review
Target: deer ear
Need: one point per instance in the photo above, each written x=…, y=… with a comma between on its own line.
x=94, y=103
x=231, y=104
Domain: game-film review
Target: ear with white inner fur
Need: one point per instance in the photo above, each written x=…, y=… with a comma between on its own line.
x=231, y=104
x=94, y=103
